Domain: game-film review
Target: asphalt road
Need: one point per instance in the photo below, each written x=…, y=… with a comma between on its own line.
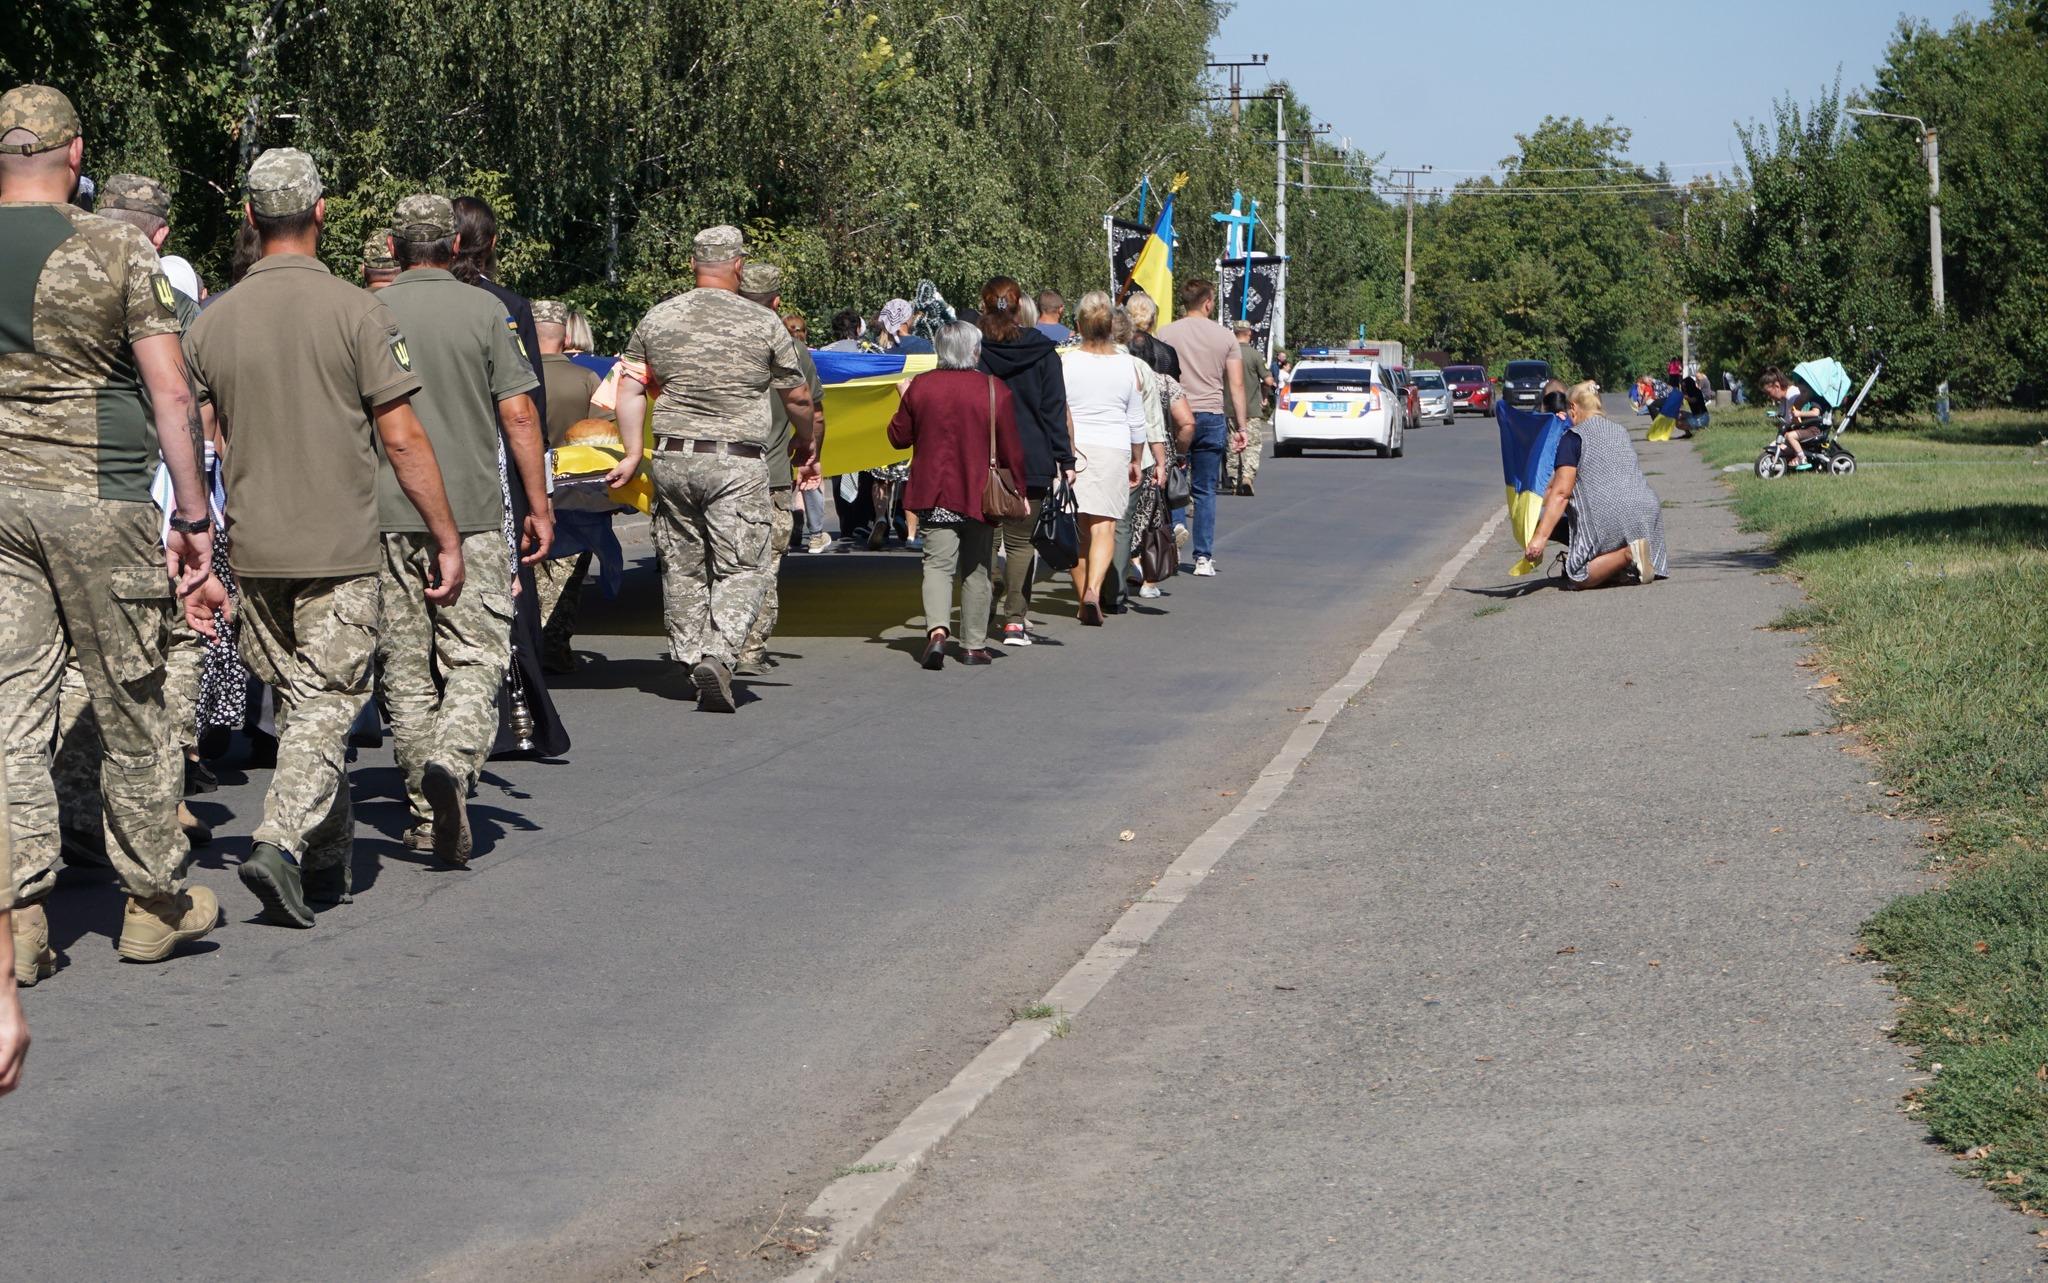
x=706, y=959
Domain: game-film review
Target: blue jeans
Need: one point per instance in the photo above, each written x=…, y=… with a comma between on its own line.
x=1205, y=461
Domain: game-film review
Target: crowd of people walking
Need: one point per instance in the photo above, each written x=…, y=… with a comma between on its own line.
x=304, y=508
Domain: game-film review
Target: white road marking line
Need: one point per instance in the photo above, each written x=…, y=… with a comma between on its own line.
x=853, y=1204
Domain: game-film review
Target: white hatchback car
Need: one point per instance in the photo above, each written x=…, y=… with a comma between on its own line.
x=1336, y=402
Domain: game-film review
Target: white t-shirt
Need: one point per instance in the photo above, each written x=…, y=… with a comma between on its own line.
x=1104, y=398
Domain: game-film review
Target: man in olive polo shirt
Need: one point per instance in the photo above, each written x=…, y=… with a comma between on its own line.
x=762, y=283
x=307, y=375
x=442, y=665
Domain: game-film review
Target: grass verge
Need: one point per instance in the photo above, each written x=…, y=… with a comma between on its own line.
x=1926, y=576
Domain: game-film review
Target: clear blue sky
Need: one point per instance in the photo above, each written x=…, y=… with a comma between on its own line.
x=1459, y=84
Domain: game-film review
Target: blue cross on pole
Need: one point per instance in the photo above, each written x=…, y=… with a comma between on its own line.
x=1237, y=240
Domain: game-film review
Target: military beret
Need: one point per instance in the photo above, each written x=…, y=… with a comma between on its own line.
x=284, y=180
x=42, y=111
x=425, y=217
x=376, y=253
x=719, y=244
x=761, y=278
x=135, y=193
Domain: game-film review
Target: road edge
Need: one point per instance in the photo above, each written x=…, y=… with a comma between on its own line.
x=852, y=1205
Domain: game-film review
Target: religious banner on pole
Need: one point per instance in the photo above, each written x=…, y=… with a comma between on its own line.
x=1248, y=287
x=1126, y=239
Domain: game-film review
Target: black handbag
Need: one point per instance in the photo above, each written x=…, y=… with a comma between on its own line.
x=1057, y=536
x=1180, y=484
x=1158, y=554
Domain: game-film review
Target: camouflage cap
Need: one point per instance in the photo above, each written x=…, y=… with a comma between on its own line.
x=549, y=311
x=760, y=278
x=137, y=193
x=720, y=244
x=377, y=251
x=42, y=111
x=424, y=217
x=284, y=180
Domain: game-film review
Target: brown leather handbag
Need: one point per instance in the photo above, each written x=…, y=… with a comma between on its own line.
x=1000, y=498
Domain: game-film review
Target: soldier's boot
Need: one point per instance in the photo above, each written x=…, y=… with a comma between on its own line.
x=714, y=686
x=275, y=881
x=152, y=928
x=34, y=959
x=330, y=886
x=447, y=796
x=196, y=831
x=419, y=837
x=754, y=663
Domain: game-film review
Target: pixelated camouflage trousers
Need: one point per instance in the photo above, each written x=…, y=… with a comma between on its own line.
x=311, y=641
x=559, y=585
x=85, y=576
x=442, y=665
x=1243, y=465
x=76, y=767
x=713, y=525
x=782, y=524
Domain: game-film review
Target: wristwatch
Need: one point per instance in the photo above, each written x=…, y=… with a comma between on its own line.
x=185, y=526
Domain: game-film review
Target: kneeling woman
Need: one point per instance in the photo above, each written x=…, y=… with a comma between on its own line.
x=1617, y=523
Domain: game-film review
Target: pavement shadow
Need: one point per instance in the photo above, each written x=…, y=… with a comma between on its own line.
x=1753, y=559
x=1508, y=592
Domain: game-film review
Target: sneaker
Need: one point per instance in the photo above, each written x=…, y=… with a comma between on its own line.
x=714, y=686
x=818, y=542
x=330, y=884
x=1205, y=566
x=34, y=959
x=1016, y=635
x=196, y=831
x=450, y=800
x=1182, y=536
x=1639, y=557
x=1149, y=591
x=152, y=928
x=274, y=879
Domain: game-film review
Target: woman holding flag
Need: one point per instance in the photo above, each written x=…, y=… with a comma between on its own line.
x=1617, y=520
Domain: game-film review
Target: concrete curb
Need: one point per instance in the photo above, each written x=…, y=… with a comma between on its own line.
x=852, y=1205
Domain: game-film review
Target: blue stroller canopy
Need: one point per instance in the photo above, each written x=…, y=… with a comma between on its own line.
x=1829, y=381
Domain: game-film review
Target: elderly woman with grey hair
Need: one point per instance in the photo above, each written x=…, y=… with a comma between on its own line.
x=956, y=422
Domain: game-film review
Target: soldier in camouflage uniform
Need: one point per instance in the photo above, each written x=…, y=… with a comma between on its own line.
x=379, y=267
x=712, y=358
x=1242, y=467
x=88, y=356
x=558, y=582
x=762, y=283
x=306, y=374
x=442, y=665
x=13, y=1024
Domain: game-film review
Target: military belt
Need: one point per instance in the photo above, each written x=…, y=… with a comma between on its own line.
x=686, y=445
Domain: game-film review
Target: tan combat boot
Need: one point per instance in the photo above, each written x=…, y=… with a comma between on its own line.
x=33, y=957
x=151, y=928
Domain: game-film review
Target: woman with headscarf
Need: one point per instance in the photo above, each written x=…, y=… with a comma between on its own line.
x=1617, y=522
x=1029, y=365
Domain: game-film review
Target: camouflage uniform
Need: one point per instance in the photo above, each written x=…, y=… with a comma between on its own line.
x=761, y=279
x=1242, y=467
x=715, y=356
x=81, y=570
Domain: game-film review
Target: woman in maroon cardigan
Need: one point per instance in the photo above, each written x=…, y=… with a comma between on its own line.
x=945, y=420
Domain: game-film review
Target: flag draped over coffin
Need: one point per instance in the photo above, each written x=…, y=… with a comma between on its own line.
x=1528, y=455
x=862, y=390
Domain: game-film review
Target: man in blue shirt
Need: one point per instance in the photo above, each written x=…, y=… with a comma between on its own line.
x=1050, y=305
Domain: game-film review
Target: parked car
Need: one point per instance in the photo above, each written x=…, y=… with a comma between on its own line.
x=1338, y=404
x=1432, y=397
x=1471, y=391
x=1521, y=384
x=1411, y=409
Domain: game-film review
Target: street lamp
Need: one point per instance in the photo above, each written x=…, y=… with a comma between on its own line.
x=1930, y=151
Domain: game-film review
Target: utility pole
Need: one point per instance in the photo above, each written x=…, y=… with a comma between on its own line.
x=1236, y=70
x=1930, y=152
x=1280, y=224
x=1684, y=303
x=1408, y=254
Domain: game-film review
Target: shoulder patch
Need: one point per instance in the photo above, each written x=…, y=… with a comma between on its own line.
x=165, y=298
x=400, y=354
x=512, y=324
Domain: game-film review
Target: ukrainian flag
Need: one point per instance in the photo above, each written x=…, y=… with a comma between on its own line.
x=1667, y=414
x=1154, y=271
x=1528, y=455
x=862, y=390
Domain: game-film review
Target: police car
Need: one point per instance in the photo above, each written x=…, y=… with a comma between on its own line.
x=1339, y=398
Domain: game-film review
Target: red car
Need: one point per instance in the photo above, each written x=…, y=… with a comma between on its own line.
x=1470, y=389
x=1410, y=396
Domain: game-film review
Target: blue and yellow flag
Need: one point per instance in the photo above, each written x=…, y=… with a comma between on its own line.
x=1528, y=455
x=1154, y=271
x=862, y=390
x=1666, y=417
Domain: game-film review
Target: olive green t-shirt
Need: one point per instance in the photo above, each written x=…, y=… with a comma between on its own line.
x=77, y=292
x=570, y=387
x=295, y=363
x=781, y=475
x=715, y=356
x=1254, y=381
x=468, y=360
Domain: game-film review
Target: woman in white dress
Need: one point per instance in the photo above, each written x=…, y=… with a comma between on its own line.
x=1107, y=408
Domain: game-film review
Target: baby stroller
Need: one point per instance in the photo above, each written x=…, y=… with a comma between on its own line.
x=1829, y=383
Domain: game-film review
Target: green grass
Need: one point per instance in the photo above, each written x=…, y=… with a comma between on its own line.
x=1927, y=586
x=1484, y=611
x=1036, y=1011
